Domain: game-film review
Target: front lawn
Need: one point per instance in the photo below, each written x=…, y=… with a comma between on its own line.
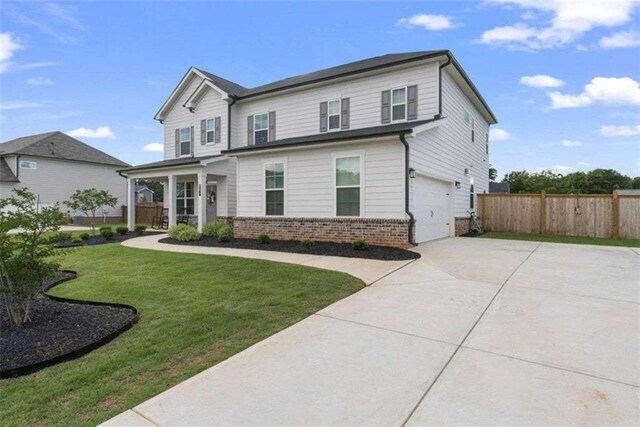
x=195, y=311
x=560, y=239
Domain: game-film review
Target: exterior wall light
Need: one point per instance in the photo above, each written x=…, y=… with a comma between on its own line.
x=458, y=185
x=412, y=173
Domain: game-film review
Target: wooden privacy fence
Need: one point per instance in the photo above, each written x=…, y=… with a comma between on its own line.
x=592, y=215
x=144, y=212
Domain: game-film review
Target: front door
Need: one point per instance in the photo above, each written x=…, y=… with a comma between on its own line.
x=212, y=202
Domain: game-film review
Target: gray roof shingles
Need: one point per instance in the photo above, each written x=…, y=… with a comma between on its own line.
x=57, y=145
x=168, y=163
x=6, y=174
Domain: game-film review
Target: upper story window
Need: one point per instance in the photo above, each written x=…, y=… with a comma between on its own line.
x=274, y=188
x=399, y=104
x=210, y=131
x=261, y=128
x=473, y=129
x=472, y=191
x=334, y=114
x=26, y=164
x=347, y=172
x=185, y=141
x=486, y=143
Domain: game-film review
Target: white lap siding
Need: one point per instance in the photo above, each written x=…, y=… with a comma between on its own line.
x=309, y=180
x=298, y=113
x=445, y=152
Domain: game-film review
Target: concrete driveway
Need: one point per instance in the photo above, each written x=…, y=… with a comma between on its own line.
x=477, y=331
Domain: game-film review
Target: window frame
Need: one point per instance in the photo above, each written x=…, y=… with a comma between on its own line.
x=256, y=130
x=346, y=155
x=212, y=131
x=472, y=193
x=339, y=114
x=283, y=189
x=31, y=163
x=180, y=141
x=406, y=104
x=185, y=198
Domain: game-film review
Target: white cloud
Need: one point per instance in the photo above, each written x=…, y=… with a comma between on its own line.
x=428, y=22
x=33, y=65
x=584, y=164
x=541, y=81
x=606, y=90
x=562, y=21
x=17, y=105
x=571, y=143
x=101, y=132
x=563, y=169
x=620, y=40
x=497, y=134
x=8, y=46
x=612, y=131
x=154, y=147
x=39, y=81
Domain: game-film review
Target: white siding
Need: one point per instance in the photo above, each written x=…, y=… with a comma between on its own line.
x=298, y=113
x=210, y=105
x=445, y=151
x=309, y=180
x=55, y=180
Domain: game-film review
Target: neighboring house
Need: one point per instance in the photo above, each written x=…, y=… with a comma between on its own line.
x=143, y=194
x=54, y=165
x=391, y=149
x=499, y=187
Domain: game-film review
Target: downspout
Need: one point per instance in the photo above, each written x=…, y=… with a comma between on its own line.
x=233, y=101
x=412, y=219
x=440, y=85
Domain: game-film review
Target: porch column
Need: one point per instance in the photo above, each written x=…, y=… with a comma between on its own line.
x=171, y=196
x=201, y=205
x=131, y=203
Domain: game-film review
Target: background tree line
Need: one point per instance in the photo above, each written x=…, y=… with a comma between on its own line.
x=596, y=181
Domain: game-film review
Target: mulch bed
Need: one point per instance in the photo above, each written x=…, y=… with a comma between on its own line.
x=60, y=329
x=99, y=240
x=385, y=253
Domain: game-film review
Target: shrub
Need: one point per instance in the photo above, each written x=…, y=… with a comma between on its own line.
x=263, y=239
x=359, y=245
x=76, y=240
x=122, y=230
x=211, y=228
x=105, y=227
x=84, y=236
x=183, y=233
x=225, y=234
x=107, y=232
x=307, y=243
x=140, y=228
x=61, y=236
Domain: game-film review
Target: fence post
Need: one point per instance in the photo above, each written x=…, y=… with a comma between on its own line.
x=615, y=215
x=543, y=212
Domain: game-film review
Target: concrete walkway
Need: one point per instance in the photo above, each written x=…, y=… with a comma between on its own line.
x=478, y=331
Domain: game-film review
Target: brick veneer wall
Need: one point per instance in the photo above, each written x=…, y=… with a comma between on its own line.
x=462, y=226
x=377, y=231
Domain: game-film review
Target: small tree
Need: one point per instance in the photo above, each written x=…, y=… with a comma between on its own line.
x=89, y=201
x=26, y=258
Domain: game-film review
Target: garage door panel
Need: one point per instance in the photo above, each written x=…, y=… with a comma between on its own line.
x=431, y=208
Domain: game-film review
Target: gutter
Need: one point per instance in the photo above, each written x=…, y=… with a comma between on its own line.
x=233, y=101
x=412, y=220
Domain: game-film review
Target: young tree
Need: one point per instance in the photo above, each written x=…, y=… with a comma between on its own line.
x=26, y=258
x=89, y=201
x=493, y=174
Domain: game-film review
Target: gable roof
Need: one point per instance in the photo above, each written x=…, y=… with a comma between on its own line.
x=6, y=174
x=140, y=187
x=57, y=145
x=240, y=92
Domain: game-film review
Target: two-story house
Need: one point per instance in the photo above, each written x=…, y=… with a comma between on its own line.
x=391, y=150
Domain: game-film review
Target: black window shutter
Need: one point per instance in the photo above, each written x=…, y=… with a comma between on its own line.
x=249, y=130
x=177, y=142
x=386, y=107
x=323, y=116
x=412, y=102
x=217, y=130
x=344, y=113
x=203, y=132
x=192, y=154
x=272, y=125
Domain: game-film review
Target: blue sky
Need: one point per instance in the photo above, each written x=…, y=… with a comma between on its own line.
x=561, y=75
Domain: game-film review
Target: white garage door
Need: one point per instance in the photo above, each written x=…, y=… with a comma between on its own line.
x=431, y=208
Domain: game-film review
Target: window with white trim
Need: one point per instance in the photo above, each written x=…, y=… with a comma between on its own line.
x=210, y=129
x=471, y=193
x=348, y=173
x=185, y=141
x=274, y=188
x=185, y=198
x=399, y=104
x=334, y=114
x=26, y=164
x=473, y=129
x=261, y=128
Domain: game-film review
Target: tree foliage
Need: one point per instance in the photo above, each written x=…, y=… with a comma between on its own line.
x=26, y=258
x=88, y=201
x=597, y=181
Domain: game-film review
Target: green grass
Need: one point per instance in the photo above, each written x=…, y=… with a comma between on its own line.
x=195, y=311
x=561, y=239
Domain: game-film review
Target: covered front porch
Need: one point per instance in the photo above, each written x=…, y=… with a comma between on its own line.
x=196, y=190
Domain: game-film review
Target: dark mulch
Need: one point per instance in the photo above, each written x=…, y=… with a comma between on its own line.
x=385, y=253
x=99, y=240
x=57, y=329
